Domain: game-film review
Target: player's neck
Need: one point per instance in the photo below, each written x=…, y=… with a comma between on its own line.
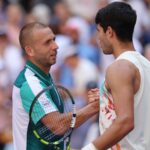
x=123, y=47
x=41, y=67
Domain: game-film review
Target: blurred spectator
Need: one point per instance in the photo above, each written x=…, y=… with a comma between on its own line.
x=79, y=31
x=10, y=64
x=10, y=56
x=14, y=14
x=145, y=38
x=50, y=3
x=26, y=4
x=3, y=4
x=81, y=27
x=83, y=8
x=60, y=17
x=42, y=13
x=103, y=3
x=29, y=18
x=29, y=4
x=77, y=70
x=143, y=21
x=5, y=118
x=62, y=42
x=147, y=51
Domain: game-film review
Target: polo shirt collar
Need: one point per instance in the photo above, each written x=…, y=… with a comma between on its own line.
x=41, y=74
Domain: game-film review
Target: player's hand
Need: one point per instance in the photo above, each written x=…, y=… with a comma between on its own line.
x=93, y=95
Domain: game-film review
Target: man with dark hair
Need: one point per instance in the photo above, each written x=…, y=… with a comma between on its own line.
x=38, y=42
x=124, y=95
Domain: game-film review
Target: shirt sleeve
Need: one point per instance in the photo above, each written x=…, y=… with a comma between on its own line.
x=44, y=104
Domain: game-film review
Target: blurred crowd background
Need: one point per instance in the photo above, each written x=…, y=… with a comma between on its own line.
x=80, y=63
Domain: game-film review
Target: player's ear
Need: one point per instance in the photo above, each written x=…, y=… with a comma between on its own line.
x=29, y=50
x=109, y=31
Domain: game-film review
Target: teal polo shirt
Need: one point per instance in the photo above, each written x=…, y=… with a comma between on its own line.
x=27, y=85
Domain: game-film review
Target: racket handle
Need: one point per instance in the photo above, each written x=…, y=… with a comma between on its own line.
x=74, y=109
x=73, y=121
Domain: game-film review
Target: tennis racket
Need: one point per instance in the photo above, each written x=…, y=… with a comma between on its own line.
x=45, y=134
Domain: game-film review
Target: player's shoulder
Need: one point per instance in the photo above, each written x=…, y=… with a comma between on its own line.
x=32, y=85
x=20, y=79
x=121, y=68
x=29, y=78
x=121, y=65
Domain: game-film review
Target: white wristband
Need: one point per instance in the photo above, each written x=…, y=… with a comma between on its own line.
x=89, y=147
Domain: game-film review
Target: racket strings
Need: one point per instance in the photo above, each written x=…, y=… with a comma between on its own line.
x=50, y=133
x=43, y=131
x=67, y=105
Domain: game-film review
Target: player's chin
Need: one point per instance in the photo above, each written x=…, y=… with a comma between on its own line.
x=53, y=61
x=107, y=52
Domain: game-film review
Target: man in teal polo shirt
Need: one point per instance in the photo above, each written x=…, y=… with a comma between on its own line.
x=38, y=42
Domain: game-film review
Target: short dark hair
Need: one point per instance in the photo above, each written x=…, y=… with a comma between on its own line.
x=26, y=32
x=120, y=16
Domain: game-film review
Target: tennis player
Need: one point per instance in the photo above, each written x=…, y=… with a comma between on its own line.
x=38, y=42
x=125, y=94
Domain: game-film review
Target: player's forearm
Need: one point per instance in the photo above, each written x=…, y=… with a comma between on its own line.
x=82, y=115
x=114, y=134
x=85, y=113
x=63, y=120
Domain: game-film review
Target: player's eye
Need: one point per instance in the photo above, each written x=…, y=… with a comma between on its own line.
x=49, y=41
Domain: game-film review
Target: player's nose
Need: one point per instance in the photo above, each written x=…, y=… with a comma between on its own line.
x=55, y=46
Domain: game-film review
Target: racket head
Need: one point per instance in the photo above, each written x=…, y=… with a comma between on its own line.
x=45, y=133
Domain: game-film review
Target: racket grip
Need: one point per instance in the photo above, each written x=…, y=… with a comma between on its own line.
x=73, y=121
x=74, y=109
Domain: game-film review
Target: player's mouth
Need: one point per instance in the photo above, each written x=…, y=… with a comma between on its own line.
x=54, y=55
